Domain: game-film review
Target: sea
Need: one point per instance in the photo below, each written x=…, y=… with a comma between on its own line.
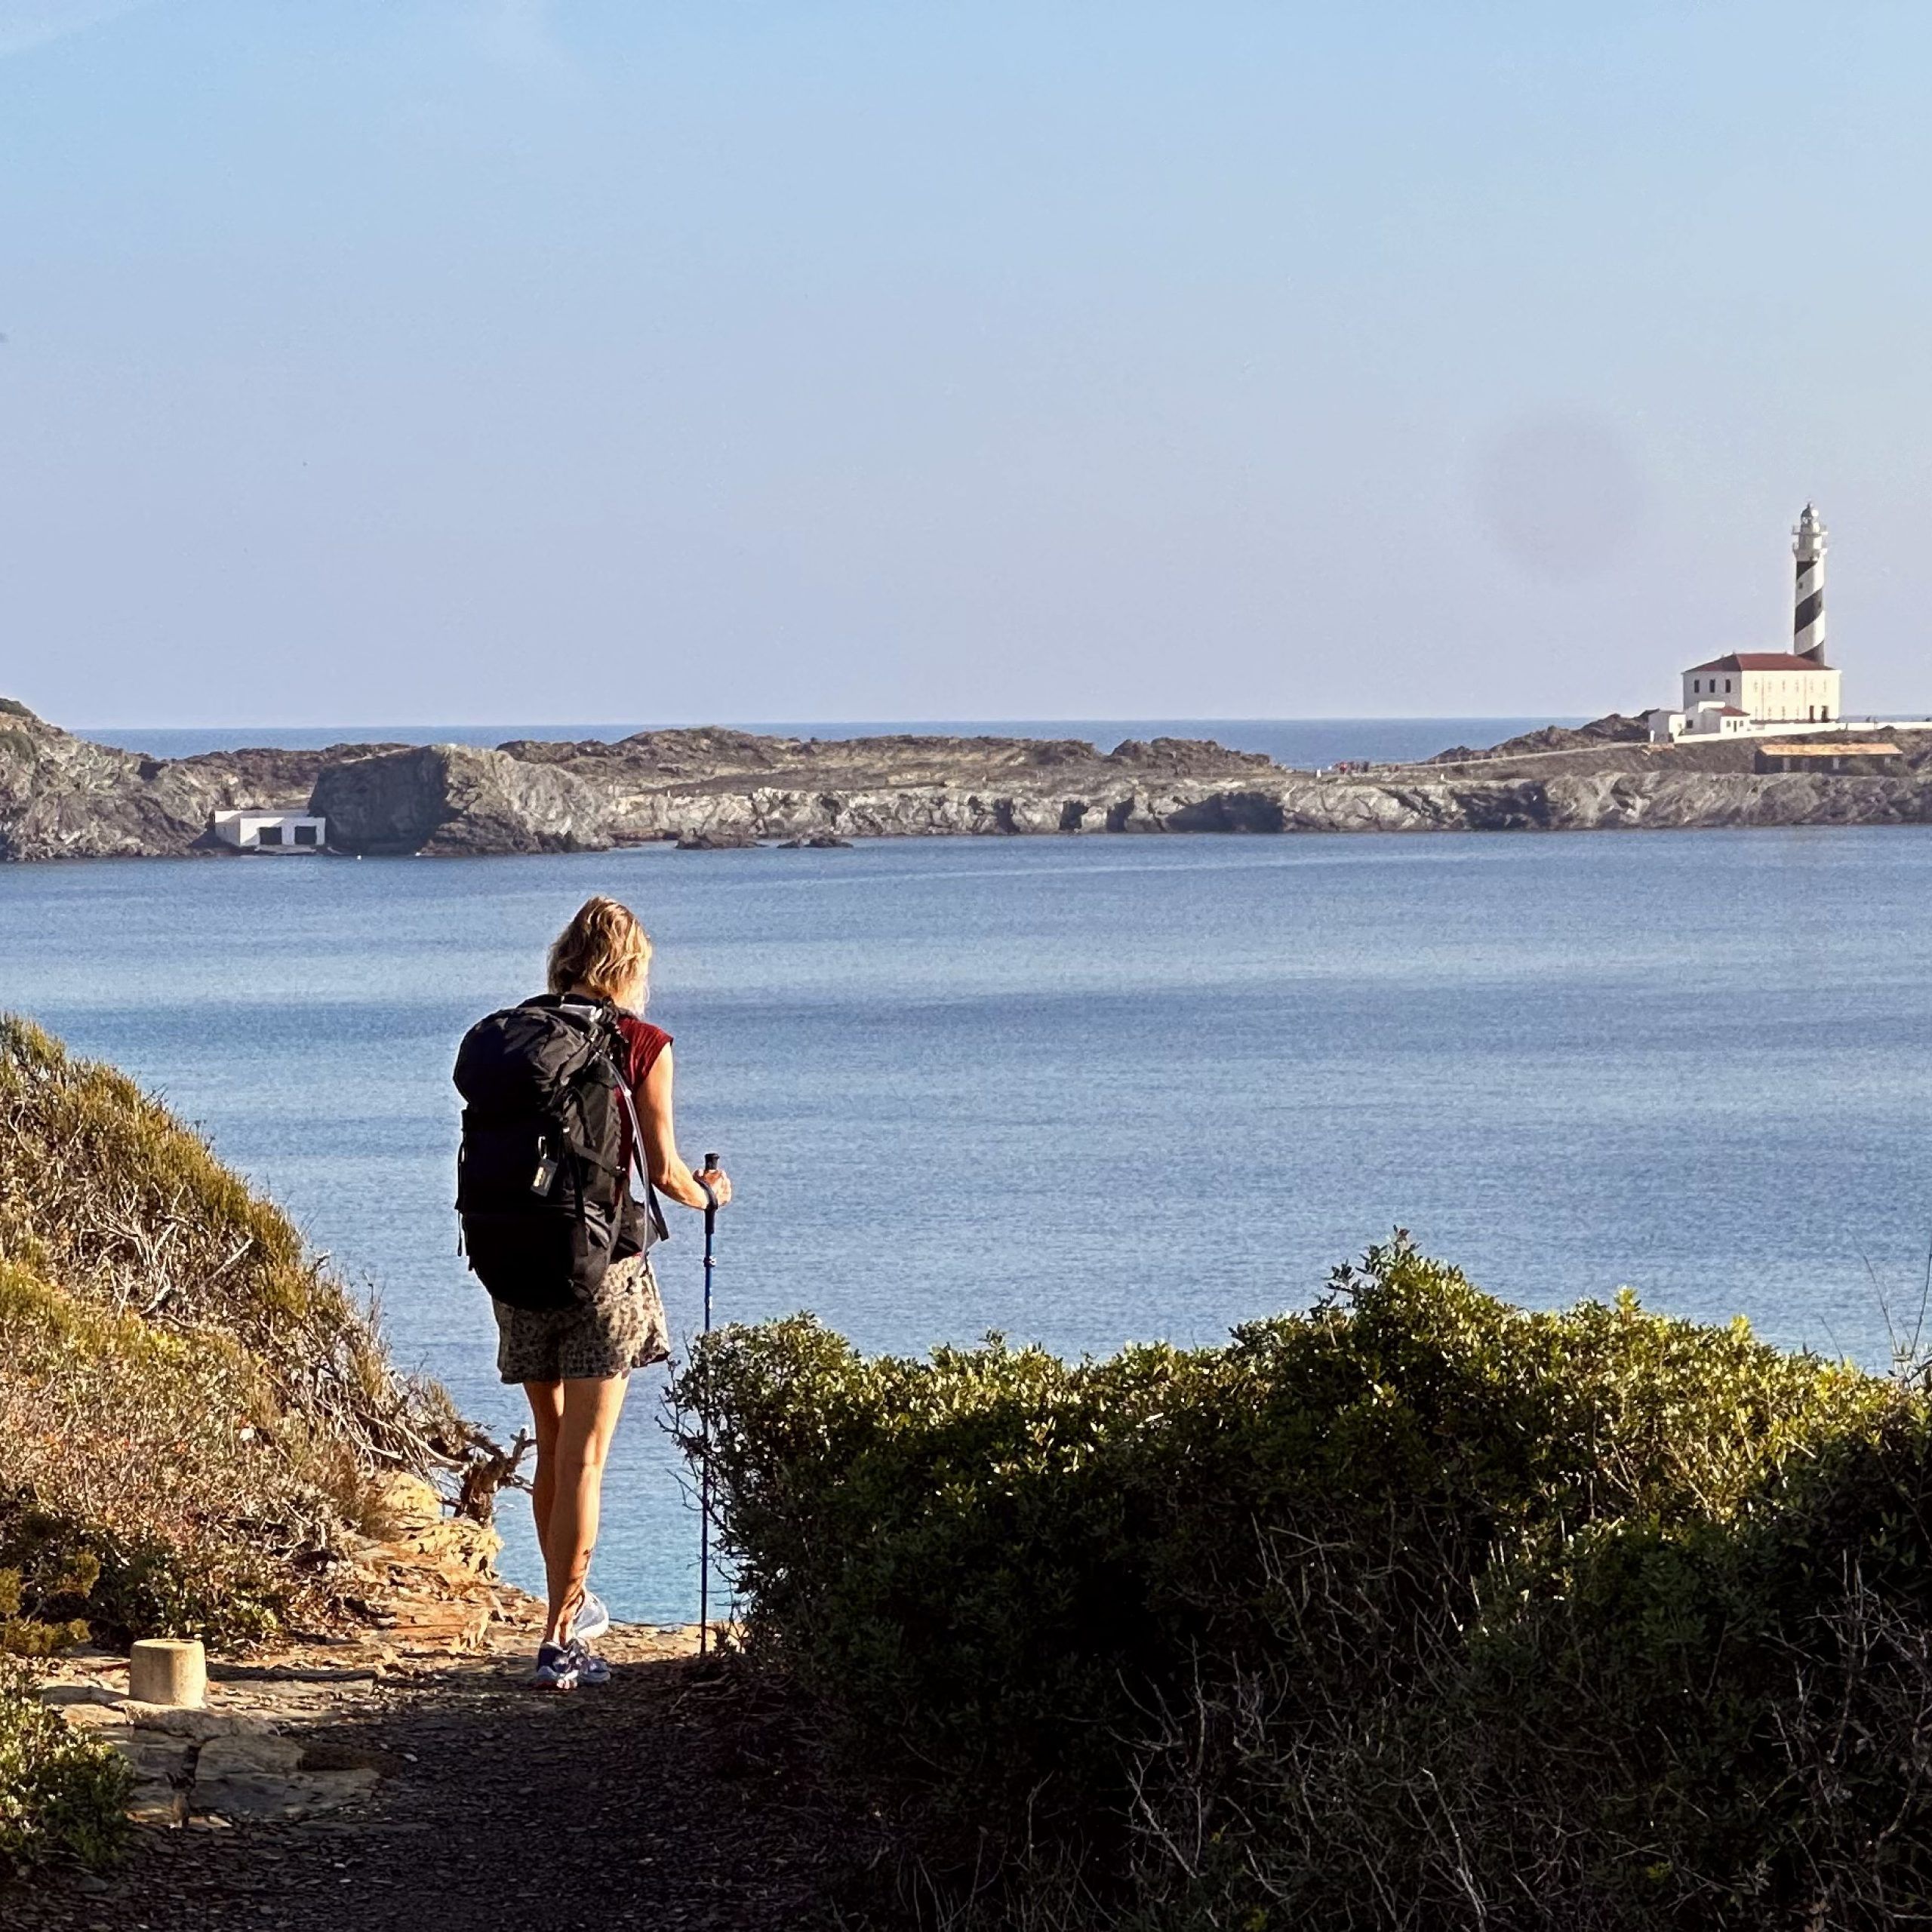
x=1079, y=1092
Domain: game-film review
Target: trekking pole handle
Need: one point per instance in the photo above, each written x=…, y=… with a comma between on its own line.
x=710, y=1199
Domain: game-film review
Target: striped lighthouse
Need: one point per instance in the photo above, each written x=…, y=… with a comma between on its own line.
x=1807, y=618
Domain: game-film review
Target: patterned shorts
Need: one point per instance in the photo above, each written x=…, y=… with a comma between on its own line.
x=620, y=1328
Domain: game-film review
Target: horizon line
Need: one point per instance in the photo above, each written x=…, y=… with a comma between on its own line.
x=549, y=724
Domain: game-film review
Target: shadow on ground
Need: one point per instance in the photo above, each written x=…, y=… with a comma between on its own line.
x=678, y=1794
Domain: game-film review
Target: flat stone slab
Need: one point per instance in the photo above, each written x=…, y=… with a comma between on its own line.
x=269, y=1778
x=201, y=1725
x=153, y=1756
x=85, y=1713
x=157, y=1805
x=225, y=1764
x=63, y=1696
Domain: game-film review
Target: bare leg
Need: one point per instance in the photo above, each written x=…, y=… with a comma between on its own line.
x=590, y=1409
x=546, y=1417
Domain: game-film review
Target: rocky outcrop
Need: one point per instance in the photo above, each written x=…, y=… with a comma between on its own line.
x=61, y=796
x=451, y=799
x=64, y=797
x=1593, y=801
x=713, y=787
x=1613, y=728
x=721, y=842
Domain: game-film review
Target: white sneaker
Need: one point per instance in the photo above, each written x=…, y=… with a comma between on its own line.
x=591, y=1621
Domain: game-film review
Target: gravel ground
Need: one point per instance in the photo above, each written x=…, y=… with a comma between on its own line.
x=676, y=1795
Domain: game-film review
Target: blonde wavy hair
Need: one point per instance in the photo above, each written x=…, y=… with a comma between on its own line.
x=605, y=948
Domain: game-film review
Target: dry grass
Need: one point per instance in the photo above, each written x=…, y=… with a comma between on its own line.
x=104, y=1191
x=197, y=1418
x=197, y=1412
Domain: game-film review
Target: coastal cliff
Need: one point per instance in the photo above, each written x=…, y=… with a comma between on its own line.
x=729, y=786
x=64, y=797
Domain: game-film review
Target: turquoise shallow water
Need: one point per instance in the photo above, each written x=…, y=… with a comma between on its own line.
x=1080, y=1091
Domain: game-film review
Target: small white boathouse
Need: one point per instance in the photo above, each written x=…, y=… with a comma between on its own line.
x=271, y=832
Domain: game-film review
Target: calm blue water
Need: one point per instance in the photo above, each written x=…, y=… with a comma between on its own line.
x=1080, y=1091
x=1300, y=742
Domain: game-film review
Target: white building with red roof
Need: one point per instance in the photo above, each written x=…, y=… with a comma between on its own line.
x=1776, y=686
x=1750, y=692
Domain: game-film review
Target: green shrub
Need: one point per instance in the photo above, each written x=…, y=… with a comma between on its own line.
x=60, y=1793
x=1414, y=1609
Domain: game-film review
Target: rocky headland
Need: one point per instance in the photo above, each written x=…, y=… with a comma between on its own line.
x=65, y=797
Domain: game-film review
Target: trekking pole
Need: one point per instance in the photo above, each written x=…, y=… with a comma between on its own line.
x=704, y=1450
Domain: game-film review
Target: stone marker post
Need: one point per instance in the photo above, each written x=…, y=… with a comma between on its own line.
x=168, y=1670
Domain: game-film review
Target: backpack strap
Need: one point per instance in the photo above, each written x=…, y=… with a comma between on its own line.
x=619, y=1056
x=656, y=1214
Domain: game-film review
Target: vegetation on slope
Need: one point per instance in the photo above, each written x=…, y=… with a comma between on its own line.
x=196, y=1415
x=1416, y=1610
x=60, y=1792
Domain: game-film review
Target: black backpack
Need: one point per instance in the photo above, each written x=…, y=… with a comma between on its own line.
x=545, y=1202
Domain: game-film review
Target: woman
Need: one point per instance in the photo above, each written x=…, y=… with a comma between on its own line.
x=575, y=1363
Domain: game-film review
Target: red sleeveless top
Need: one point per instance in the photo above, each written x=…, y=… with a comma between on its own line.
x=643, y=1043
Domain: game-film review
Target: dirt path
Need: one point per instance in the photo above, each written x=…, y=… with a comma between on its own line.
x=672, y=1796
x=401, y=1775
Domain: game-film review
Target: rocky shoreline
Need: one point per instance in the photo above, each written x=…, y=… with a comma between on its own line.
x=65, y=797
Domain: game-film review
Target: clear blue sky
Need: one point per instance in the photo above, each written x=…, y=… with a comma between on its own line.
x=415, y=360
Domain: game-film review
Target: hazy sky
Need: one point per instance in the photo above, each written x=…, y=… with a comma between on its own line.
x=423, y=360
